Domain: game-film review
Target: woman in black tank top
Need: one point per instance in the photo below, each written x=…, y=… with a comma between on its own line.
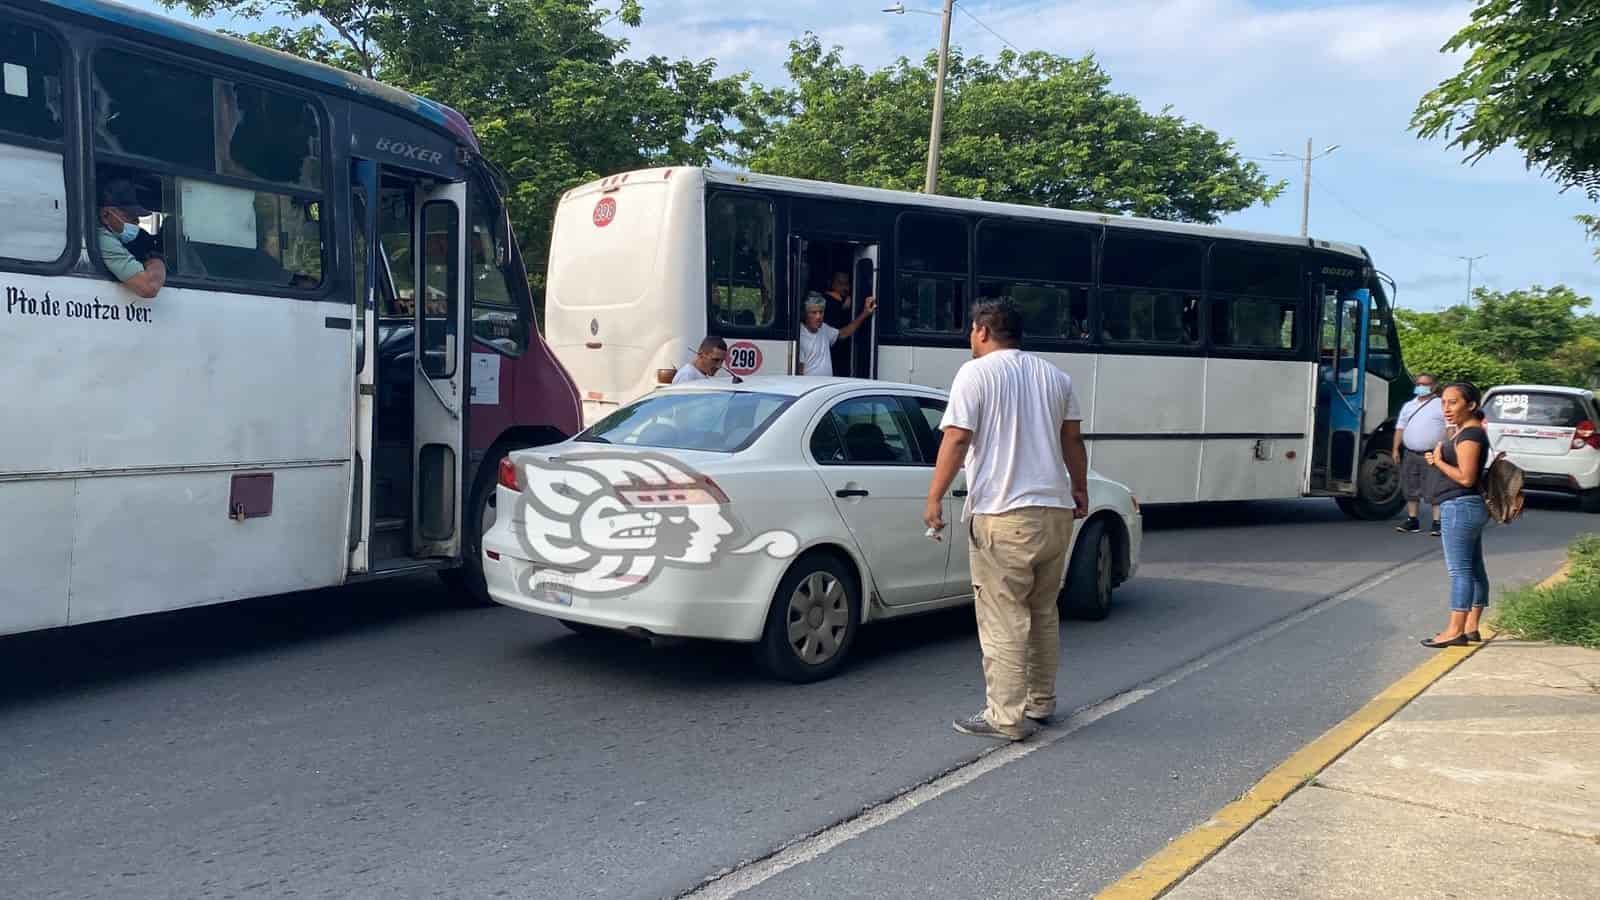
x=1456, y=490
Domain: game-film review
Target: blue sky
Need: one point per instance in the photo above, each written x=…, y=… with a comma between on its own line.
x=1265, y=73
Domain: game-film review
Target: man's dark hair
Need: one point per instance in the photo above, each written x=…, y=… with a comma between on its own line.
x=1001, y=318
x=712, y=342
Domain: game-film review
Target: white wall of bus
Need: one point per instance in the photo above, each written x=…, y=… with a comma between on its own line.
x=114, y=493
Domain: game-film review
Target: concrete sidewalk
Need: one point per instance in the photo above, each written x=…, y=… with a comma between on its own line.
x=1486, y=785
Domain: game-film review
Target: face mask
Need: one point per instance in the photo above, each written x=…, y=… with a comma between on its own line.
x=1422, y=390
x=128, y=233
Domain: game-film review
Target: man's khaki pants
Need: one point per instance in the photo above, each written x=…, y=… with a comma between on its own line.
x=1017, y=558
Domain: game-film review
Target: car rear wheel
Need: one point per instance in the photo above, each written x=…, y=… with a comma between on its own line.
x=812, y=622
x=1589, y=501
x=1091, y=575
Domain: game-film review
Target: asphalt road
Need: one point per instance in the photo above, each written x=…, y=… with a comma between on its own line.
x=383, y=741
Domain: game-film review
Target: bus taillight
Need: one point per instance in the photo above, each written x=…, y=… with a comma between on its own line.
x=508, y=474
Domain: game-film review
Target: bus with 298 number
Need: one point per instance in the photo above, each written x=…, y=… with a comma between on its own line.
x=343, y=348
x=1211, y=364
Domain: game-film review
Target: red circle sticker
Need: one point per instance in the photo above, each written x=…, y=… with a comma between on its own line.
x=744, y=358
x=604, y=212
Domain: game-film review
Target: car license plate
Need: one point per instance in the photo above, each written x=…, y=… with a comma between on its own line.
x=553, y=587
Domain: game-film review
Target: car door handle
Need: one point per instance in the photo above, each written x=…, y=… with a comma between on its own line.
x=850, y=492
x=959, y=493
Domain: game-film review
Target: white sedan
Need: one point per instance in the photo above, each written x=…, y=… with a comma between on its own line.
x=784, y=512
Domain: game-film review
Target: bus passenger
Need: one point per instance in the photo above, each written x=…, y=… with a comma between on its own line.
x=707, y=360
x=129, y=252
x=817, y=337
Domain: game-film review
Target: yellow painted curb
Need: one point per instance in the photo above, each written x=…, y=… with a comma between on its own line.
x=1161, y=872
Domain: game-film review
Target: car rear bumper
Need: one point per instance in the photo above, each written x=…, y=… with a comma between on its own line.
x=1579, y=471
x=726, y=601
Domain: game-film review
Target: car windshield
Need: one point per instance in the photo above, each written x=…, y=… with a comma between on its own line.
x=720, y=421
x=1519, y=408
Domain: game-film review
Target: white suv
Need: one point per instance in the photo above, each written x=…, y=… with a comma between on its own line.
x=1550, y=433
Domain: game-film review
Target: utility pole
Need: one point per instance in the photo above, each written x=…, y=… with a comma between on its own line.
x=1470, y=260
x=931, y=183
x=1305, y=180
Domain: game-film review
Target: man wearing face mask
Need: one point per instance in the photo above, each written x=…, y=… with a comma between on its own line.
x=1419, y=428
x=128, y=252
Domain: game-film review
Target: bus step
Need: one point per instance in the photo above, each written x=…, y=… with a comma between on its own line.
x=388, y=524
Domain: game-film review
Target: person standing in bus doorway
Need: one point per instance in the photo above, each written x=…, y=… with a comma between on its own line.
x=1418, y=429
x=707, y=361
x=1013, y=420
x=837, y=314
x=129, y=251
x=818, y=337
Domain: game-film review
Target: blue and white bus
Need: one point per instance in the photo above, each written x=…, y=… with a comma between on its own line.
x=1212, y=364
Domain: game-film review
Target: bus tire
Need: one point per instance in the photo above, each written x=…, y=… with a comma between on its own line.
x=1091, y=575
x=468, y=581
x=1378, y=497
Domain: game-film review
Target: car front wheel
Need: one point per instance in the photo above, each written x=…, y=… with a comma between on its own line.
x=1091, y=575
x=812, y=622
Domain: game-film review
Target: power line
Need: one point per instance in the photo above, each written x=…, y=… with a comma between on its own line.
x=985, y=27
x=1414, y=243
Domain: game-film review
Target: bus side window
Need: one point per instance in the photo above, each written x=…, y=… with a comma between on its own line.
x=265, y=225
x=1150, y=290
x=495, y=318
x=740, y=235
x=32, y=146
x=1380, y=353
x=933, y=265
x=1046, y=270
x=1254, y=294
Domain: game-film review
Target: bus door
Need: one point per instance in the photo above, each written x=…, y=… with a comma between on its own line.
x=364, y=228
x=439, y=374
x=1341, y=389
x=864, y=280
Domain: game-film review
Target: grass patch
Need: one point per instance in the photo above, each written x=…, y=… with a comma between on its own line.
x=1569, y=612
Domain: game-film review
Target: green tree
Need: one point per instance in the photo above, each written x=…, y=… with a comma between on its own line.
x=1531, y=80
x=549, y=94
x=1028, y=128
x=1542, y=335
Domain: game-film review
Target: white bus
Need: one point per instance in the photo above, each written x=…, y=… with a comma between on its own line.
x=284, y=413
x=1211, y=364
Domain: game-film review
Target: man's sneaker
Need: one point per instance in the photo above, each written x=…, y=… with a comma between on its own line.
x=977, y=726
x=1409, y=526
x=1043, y=720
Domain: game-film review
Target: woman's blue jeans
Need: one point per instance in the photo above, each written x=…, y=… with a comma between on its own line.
x=1462, y=521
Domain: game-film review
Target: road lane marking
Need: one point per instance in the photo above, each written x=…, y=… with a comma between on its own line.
x=1179, y=859
x=745, y=876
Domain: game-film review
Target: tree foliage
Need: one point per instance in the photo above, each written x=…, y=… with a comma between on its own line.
x=1540, y=335
x=1028, y=128
x=549, y=94
x=1532, y=80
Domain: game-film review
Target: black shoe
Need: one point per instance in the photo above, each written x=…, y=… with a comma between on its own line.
x=1459, y=640
x=1435, y=531
x=1409, y=526
x=977, y=726
x=1473, y=637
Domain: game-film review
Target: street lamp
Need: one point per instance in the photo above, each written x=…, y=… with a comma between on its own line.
x=930, y=184
x=1470, y=260
x=1305, y=199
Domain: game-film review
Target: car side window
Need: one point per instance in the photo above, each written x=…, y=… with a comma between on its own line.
x=868, y=431
x=926, y=413
x=825, y=445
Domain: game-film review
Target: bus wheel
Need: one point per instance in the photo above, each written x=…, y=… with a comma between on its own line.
x=1378, y=495
x=468, y=581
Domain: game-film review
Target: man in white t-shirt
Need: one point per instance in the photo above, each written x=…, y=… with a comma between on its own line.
x=1419, y=428
x=817, y=337
x=1014, y=422
x=707, y=361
